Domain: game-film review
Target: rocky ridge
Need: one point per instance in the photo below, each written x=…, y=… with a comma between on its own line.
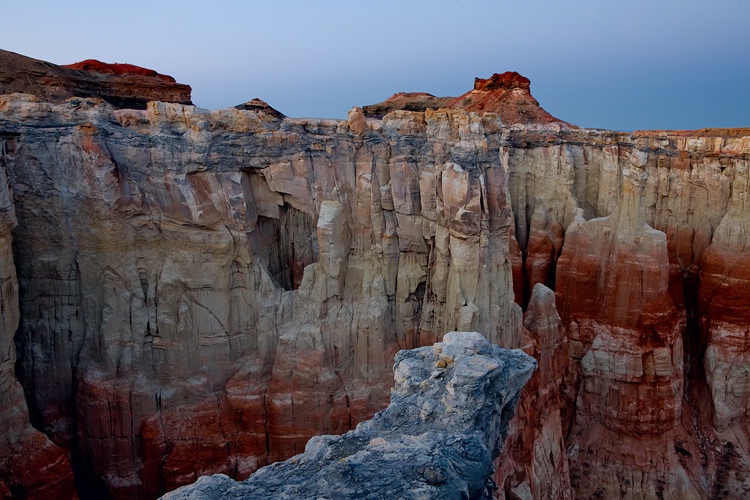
x=446, y=422
x=506, y=94
x=326, y=246
x=121, y=85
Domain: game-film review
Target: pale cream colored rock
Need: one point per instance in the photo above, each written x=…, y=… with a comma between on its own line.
x=357, y=121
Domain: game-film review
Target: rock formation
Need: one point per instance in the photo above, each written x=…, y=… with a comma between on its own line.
x=201, y=292
x=121, y=85
x=505, y=94
x=446, y=422
x=643, y=214
x=31, y=466
x=323, y=250
x=534, y=459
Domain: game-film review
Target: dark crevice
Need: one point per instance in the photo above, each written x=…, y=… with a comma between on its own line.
x=287, y=245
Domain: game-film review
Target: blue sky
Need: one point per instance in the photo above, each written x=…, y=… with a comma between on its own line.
x=617, y=64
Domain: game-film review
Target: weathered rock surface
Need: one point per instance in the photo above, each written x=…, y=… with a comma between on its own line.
x=31, y=466
x=447, y=420
x=626, y=339
x=202, y=292
x=248, y=277
x=122, y=85
x=632, y=269
x=534, y=457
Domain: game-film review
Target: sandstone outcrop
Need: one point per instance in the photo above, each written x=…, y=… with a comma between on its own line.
x=121, y=85
x=203, y=291
x=447, y=419
x=625, y=337
x=506, y=94
x=628, y=295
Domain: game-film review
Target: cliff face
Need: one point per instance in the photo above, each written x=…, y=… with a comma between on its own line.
x=30, y=464
x=188, y=270
x=647, y=220
x=202, y=292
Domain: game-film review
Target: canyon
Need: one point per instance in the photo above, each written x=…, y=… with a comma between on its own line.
x=189, y=292
x=447, y=419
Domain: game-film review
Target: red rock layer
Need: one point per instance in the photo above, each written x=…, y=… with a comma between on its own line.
x=506, y=94
x=122, y=85
x=534, y=457
x=117, y=69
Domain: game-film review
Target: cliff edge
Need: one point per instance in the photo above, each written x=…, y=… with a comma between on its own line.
x=446, y=422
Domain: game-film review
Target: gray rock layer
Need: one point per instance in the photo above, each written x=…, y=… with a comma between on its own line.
x=446, y=422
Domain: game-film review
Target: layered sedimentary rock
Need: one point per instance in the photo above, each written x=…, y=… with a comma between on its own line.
x=214, y=288
x=446, y=421
x=31, y=466
x=122, y=85
x=534, y=461
x=505, y=94
x=201, y=292
x=622, y=292
x=625, y=337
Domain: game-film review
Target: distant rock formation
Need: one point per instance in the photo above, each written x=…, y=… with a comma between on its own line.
x=261, y=108
x=446, y=422
x=121, y=85
x=506, y=94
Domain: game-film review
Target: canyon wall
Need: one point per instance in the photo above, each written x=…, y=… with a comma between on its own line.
x=203, y=291
x=30, y=464
x=656, y=360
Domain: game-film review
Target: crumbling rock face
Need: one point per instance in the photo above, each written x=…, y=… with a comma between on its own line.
x=626, y=338
x=646, y=218
x=121, y=85
x=534, y=461
x=202, y=292
x=249, y=279
x=446, y=421
x=31, y=466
